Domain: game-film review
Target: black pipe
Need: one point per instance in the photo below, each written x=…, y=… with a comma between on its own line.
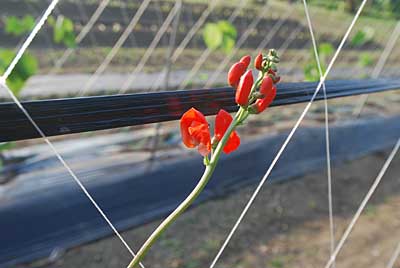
x=75, y=115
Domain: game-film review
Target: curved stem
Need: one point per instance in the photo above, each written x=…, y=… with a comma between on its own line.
x=209, y=170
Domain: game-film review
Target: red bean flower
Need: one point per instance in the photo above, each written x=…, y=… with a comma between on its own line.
x=244, y=88
x=222, y=122
x=195, y=131
x=235, y=72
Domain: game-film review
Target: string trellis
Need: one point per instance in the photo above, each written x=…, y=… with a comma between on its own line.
x=321, y=84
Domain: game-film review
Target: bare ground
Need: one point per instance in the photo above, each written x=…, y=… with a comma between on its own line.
x=286, y=227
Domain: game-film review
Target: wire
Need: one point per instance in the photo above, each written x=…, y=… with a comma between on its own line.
x=206, y=53
x=3, y=79
x=82, y=34
x=278, y=155
x=379, y=66
x=363, y=204
x=150, y=49
x=121, y=40
x=394, y=257
x=327, y=140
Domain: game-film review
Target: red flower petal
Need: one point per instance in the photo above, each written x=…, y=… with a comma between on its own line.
x=232, y=144
x=195, y=130
x=235, y=72
x=222, y=122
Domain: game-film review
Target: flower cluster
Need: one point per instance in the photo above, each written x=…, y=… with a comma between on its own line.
x=195, y=131
x=255, y=97
x=252, y=97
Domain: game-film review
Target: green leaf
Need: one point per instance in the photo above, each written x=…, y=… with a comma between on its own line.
x=227, y=44
x=212, y=36
x=17, y=27
x=6, y=145
x=25, y=68
x=325, y=49
x=227, y=29
x=28, y=22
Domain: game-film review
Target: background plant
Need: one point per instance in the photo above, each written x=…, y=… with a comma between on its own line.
x=220, y=35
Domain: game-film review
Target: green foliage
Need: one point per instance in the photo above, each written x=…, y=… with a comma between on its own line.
x=311, y=73
x=365, y=60
x=363, y=36
x=25, y=68
x=277, y=263
x=18, y=27
x=63, y=31
x=220, y=35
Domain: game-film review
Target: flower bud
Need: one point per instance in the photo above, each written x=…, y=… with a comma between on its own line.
x=246, y=60
x=258, y=62
x=235, y=72
x=244, y=88
x=266, y=85
x=262, y=104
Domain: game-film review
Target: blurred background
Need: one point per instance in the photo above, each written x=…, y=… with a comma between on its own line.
x=106, y=47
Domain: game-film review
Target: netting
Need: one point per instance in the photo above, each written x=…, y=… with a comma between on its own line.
x=169, y=49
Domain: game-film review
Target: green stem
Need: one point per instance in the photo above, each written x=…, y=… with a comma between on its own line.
x=209, y=170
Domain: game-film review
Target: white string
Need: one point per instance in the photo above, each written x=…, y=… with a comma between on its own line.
x=239, y=43
x=394, y=257
x=278, y=155
x=3, y=79
x=103, y=66
x=379, y=66
x=363, y=204
x=82, y=34
x=178, y=51
x=327, y=140
x=206, y=53
x=150, y=49
x=28, y=41
x=274, y=30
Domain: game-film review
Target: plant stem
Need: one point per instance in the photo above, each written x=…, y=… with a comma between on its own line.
x=209, y=170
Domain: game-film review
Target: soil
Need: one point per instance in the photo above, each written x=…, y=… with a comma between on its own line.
x=286, y=227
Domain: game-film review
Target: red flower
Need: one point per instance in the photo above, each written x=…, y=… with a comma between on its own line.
x=235, y=72
x=222, y=122
x=258, y=62
x=244, y=88
x=262, y=104
x=195, y=131
x=246, y=60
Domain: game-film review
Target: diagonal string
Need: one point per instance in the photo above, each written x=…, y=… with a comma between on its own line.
x=327, y=140
x=190, y=34
x=363, y=204
x=238, y=44
x=289, y=137
x=3, y=84
x=379, y=66
x=114, y=50
x=206, y=53
x=29, y=40
x=82, y=34
x=394, y=257
x=164, y=27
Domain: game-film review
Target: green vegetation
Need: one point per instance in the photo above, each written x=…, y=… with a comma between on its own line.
x=220, y=35
x=63, y=31
x=17, y=27
x=311, y=73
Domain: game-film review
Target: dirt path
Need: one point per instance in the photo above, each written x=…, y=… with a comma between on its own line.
x=286, y=227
